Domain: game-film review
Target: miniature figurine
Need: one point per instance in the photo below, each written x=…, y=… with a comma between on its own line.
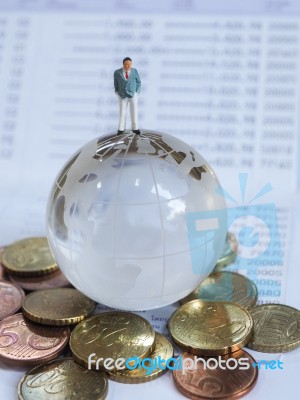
x=127, y=87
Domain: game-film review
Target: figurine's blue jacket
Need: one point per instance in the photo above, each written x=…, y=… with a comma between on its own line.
x=127, y=87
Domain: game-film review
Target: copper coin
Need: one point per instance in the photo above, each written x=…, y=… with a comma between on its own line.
x=224, y=377
x=23, y=342
x=11, y=297
x=50, y=281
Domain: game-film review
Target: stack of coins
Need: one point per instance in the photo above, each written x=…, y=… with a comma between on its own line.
x=214, y=322
x=220, y=317
x=209, y=329
x=30, y=264
x=218, y=331
x=38, y=335
x=120, y=335
x=163, y=349
x=23, y=342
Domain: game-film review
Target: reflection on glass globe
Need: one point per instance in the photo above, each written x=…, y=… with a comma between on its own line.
x=136, y=221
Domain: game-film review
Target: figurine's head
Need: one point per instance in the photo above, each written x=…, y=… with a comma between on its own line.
x=127, y=62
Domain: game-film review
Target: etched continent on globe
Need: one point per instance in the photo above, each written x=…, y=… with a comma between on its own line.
x=136, y=221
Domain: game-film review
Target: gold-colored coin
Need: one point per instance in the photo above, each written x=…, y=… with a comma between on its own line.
x=60, y=306
x=276, y=328
x=29, y=257
x=149, y=368
x=113, y=335
x=226, y=286
x=229, y=253
x=62, y=379
x=211, y=328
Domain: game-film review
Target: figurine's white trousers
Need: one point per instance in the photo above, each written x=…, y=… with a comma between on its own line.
x=133, y=103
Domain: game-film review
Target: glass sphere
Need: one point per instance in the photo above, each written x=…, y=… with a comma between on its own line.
x=136, y=222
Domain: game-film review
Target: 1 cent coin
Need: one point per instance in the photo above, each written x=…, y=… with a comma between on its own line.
x=63, y=379
x=29, y=257
x=24, y=342
x=229, y=381
x=211, y=328
x=11, y=297
x=61, y=306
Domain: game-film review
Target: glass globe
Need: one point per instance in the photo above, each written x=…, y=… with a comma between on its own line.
x=136, y=222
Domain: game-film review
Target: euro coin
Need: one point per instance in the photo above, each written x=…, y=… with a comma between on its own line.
x=226, y=286
x=62, y=379
x=276, y=328
x=149, y=368
x=211, y=328
x=29, y=257
x=11, y=297
x=226, y=377
x=111, y=335
x=23, y=342
x=61, y=306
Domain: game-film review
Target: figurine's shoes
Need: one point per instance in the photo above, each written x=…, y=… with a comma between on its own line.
x=120, y=132
x=136, y=131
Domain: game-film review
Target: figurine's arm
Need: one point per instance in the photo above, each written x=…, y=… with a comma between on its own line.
x=138, y=82
x=116, y=81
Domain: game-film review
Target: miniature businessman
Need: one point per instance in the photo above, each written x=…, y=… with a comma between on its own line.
x=127, y=87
